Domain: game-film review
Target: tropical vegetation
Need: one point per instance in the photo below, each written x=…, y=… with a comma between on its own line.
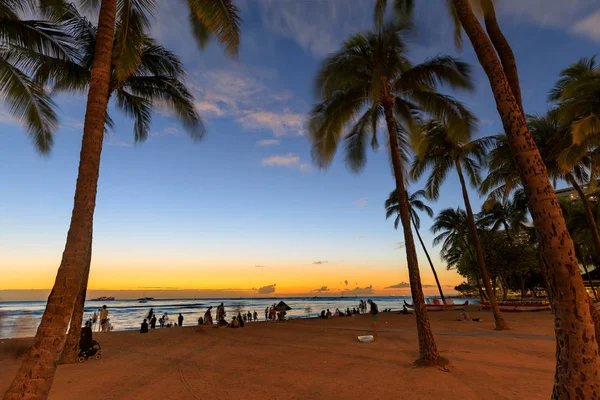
x=416, y=203
x=368, y=89
x=120, y=43
x=369, y=79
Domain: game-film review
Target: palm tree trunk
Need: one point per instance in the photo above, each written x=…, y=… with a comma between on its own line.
x=70, y=354
x=589, y=215
x=507, y=57
x=522, y=283
x=577, y=359
x=500, y=323
x=437, y=281
x=504, y=288
x=428, y=352
x=582, y=258
x=36, y=374
x=482, y=296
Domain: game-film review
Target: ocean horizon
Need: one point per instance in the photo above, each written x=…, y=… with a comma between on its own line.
x=21, y=318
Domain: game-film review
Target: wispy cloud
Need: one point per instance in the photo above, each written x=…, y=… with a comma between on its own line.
x=555, y=13
x=111, y=140
x=260, y=266
x=289, y=160
x=267, y=289
x=280, y=123
x=244, y=93
x=406, y=285
x=322, y=289
x=268, y=142
x=318, y=27
x=399, y=245
x=167, y=131
x=362, y=291
x=320, y=262
x=589, y=27
x=361, y=203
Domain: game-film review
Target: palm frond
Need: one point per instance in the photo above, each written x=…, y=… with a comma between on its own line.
x=440, y=70
x=327, y=121
x=28, y=103
x=169, y=92
x=140, y=110
x=39, y=36
x=132, y=20
x=221, y=18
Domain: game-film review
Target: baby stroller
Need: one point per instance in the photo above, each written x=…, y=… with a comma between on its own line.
x=87, y=346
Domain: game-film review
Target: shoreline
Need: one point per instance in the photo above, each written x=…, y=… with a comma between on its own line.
x=314, y=359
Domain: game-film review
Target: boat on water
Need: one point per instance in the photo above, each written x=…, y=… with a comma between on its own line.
x=519, y=305
x=438, y=305
x=145, y=299
x=104, y=298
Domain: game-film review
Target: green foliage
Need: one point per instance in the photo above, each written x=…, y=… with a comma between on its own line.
x=415, y=203
x=22, y=43
x=465, y=289
x=577, y=93
x=440, y=149
x=156, y=79
x=554, y=143
x=371, y=70
x=509, y=214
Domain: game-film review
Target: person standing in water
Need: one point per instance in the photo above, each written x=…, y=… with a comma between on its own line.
x=180, y=320
x=374, y=312
x=153, y=322
x=103, y=318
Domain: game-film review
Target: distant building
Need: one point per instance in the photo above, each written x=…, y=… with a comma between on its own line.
x=571, y=194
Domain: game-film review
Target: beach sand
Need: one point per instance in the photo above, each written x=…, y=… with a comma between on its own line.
x=315, y=359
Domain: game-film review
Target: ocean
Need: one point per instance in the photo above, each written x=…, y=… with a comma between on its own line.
x=20, y=319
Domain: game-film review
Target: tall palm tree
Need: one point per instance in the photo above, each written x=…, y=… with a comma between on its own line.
x=452, y=229
x=438, y=149
x=120, y=23
x=576, y=375
x=158, y=80
x=21, y=42
x=370, y=78
x=415, y=203
x=509, y=214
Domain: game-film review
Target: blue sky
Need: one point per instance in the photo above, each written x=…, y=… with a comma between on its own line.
x=245, y=208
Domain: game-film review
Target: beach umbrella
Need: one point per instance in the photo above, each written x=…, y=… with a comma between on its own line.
x=282, y=307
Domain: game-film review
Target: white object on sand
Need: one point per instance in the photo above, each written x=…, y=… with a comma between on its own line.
x=365, y=339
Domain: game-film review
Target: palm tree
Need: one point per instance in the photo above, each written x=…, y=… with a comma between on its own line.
x=415, y=203
x=158, y=79
x=440, y=150
x=577, y=93
x=370, y=78
x=219, y=17
x=575, y=375
x=576, y=218
x=21, y=42
x=563, y=162
x=452, y=229
x=509, y=214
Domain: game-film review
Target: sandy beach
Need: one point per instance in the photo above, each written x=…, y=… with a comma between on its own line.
x=314, y=359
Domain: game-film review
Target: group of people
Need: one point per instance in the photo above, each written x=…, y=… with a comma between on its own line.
x=240, y=319
x=105, y=325
x=271, y=314
x=150, y=321
x=362, y=308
